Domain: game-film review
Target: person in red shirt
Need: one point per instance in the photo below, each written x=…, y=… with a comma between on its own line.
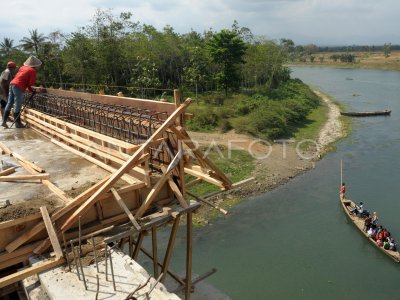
x=24, y=79
x=343, y=190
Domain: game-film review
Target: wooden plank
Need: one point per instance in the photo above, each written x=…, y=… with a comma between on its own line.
x=129, y=164
x=58, y=214
x=38, y=268
x=51, y=232
x=23, y=253
x=53, y=188
x=24, y=177
x=5, y=149
x=122, y=204
x=138, y=245
x=204, y=177
x=15, y=222
x=171, y=243
x=31, y=164
x=115, y=100
x=129, y=179
x=8, y=171
x=82, y=130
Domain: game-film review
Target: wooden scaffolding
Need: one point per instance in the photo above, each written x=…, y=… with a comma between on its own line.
x=152, y=195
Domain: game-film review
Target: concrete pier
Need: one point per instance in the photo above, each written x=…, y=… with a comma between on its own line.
x=59, y=284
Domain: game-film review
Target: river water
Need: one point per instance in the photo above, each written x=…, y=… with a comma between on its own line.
x=296, y=242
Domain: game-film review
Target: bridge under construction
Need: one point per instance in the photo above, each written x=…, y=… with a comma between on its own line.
x=147, y=157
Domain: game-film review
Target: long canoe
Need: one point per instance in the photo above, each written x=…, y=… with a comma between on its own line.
x=359, y=223
x=366, y=113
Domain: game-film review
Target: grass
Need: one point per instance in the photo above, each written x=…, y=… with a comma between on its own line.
x=316, y=120
x=239, y=166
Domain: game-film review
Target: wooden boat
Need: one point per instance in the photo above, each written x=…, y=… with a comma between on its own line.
x=359, y=223
x=366, y=113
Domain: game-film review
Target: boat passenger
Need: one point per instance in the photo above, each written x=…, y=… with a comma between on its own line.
x=386, y=245
x=358, y=210
x=367, y=223
x=379, y=243
x=374, y=221
x=392, y=244
x=370, y=232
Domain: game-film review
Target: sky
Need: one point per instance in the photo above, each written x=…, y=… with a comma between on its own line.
x=321, y=22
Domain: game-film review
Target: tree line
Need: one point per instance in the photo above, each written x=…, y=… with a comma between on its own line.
x=114, y=51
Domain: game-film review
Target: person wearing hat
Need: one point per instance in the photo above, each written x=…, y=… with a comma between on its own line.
x=6, y=76
x=25, y=79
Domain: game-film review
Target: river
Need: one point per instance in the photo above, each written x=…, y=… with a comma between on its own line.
x=296, y=242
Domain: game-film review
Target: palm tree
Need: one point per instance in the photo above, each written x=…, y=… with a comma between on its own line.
x=33, y=42
x=6, y=46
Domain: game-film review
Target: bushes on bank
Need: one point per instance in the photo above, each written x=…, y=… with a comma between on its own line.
x=270, y=114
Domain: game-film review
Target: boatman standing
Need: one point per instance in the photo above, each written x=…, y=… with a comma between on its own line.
x=343, y=190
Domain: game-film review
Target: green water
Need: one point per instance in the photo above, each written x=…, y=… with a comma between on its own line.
x=295, y=242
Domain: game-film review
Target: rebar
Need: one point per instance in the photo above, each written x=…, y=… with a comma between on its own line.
x=95, y=255
x=112, y=270
x=76, y=261
x=134, y=125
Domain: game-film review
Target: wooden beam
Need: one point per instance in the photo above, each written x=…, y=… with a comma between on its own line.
x=8, y=171
x=31, y=164
x=115, y=100
x=129, y=179
x=58, y=214
x=138, y=245
x=170, y=247
x=157, y=187
x=204, y=177
x=128, y=165
x=154, y=250
x=193, y=182
x=122, y=204
x=208, y=202
x=184, y=136
x=82, y=130
x=51, y=232
x=24, y=177
x=5, y=149
x=177, y=192
x=38, y=268
x=152, y=195
x=54, y=189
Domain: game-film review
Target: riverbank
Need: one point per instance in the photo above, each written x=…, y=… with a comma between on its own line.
x=363, y=60
x=274, y=164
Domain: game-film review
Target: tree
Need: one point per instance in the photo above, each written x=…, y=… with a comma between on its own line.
x=387, y=49
x=34, y=42
x=6, y=46
x=226, y=49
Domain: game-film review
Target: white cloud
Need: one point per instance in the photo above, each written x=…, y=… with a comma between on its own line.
x=304, y=21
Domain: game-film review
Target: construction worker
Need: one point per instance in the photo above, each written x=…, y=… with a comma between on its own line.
x=25, y=79
x=5, y=78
